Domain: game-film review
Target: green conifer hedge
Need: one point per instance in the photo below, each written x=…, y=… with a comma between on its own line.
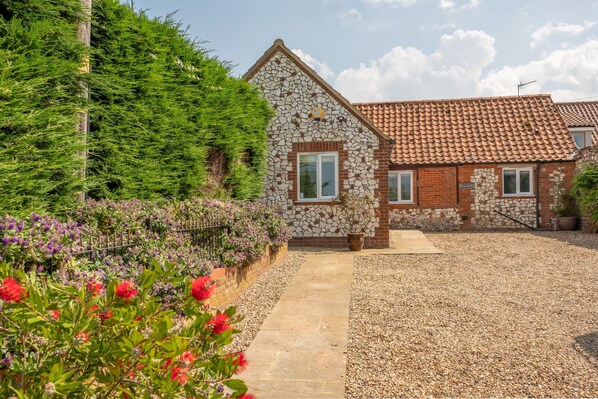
x=166, y=118
x=39, y=98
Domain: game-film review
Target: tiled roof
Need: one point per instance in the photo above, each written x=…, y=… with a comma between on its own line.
x=575, y=120
x=587, y=110
x=473, y=130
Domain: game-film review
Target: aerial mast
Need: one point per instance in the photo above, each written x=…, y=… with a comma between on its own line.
x=521, y=84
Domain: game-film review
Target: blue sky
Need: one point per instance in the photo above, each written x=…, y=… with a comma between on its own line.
x=381, y=50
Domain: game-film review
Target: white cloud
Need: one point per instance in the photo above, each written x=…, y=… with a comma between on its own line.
x=541, y=34
x=451, y=5
x=394, y=3
x=321, y=68
x=460, y=67
x=350, y=17
x=574, y=71
x=451, y=71
x=448, y=25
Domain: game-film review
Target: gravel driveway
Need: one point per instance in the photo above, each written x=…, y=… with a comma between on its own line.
x=500, y=314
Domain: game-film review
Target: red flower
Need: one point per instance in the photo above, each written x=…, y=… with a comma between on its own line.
x=247, y=396
x=179, y=375
x=55, y=314
x=125, y=290
x=106, y=314
x=11, y=290
x=219, y=323
x=94, y=287
x=82, y=337
x=240, y=362
x=187, y=358
x=93, y=309
x=202, y=288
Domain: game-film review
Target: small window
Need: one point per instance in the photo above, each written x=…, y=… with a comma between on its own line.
x=580, y=139
x=517, y=181
x=318, y=176
x=400, y=187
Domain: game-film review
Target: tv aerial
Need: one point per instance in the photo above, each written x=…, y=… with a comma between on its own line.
x=521, y=84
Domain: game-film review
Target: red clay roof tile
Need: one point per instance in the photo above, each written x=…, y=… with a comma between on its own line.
x=581, y=114
x=473, y=130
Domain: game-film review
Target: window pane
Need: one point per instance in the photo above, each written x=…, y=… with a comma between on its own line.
x=393, y=187
x=579, y=139
x=308, y=180
x=510, y=182
x=328, y=176
x=524, y=182
x=405, y=187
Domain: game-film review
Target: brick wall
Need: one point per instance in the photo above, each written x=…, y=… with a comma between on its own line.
x=434, y=205
x=231, y=282
x=450, y=197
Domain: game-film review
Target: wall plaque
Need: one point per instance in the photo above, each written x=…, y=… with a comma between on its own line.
x=467, y=186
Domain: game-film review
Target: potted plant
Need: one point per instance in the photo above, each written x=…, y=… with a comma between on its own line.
x=566, y=212
x=358, y=211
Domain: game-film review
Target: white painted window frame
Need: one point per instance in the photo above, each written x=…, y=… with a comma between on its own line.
x=318, y=176
x=398, y=173
x=585, y=132
x=518, y=171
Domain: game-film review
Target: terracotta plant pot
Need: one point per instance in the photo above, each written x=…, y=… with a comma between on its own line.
x=356, y=241
x=567, y=223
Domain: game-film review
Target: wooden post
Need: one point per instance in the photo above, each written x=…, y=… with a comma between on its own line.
x=84, y=36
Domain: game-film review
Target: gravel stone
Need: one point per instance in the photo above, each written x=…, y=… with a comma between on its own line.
x=256, y=303
x=499, y=314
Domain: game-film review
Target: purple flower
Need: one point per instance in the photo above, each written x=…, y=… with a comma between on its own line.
x=5, y=241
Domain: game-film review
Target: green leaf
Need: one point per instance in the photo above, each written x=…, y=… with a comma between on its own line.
x=238, y=386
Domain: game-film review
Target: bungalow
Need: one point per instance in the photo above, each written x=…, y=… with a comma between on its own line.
x=439, y=165
x=497, y=162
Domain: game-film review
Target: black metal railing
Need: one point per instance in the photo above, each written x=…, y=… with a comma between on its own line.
x=208, y=234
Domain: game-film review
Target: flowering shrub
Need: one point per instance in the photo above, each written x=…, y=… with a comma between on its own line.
x=151, y=233
x=113, y=341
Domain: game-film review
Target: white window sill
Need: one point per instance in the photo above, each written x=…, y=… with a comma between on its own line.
x=518, y=195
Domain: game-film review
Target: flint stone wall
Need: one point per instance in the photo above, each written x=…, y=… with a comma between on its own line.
x=444, y=219
x=487, y=198
x=293, y=94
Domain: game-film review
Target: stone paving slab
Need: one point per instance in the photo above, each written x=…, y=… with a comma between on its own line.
x=301, y=349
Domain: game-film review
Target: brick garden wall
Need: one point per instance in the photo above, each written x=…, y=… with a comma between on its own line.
x=231, y=282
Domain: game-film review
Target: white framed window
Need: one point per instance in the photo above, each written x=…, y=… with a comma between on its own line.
x=400, y=187
x=318, y=176
x=582, y=137
x=518, y=181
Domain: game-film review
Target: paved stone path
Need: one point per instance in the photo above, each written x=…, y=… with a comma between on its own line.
x=301, y=349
